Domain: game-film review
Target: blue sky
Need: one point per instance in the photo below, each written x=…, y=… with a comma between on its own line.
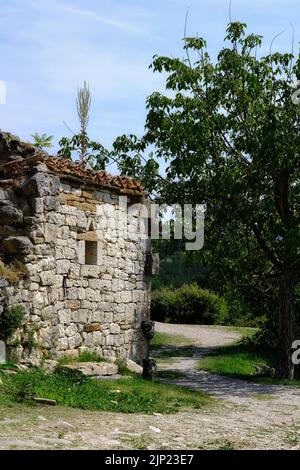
x=48, y=47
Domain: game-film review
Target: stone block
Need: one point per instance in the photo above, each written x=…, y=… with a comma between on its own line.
x=64, y=316
x=71, y=330
x=98, y=338
x=94, y=369
x=93, y=236
x=72, y=304
x=133, y=366
x=112, y=340
x=62, y=344
x=10, y=215
x=114, y=329
x=47, y=278
x=71, y=342
x=90, y=271
x=92, y=327
x=41, y=184
x=72, y=353
x=63, y=266
x=17, y=246
x=49, y=366
x=126, y=296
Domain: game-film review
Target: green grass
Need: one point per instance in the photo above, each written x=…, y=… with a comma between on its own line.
x=140, y=442
x=292, y=438
x=241, y=361
x=226, y=445
x=8, y=365
x=237, y=360
x=83, y=357
x=131, y=395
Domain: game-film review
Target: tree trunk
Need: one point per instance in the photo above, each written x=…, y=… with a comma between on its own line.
x=286, y=325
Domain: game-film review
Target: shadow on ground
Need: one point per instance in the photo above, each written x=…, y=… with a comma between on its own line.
x=183, y=371
x=169, y=350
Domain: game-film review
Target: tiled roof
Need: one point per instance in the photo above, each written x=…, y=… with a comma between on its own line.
x=19, y=167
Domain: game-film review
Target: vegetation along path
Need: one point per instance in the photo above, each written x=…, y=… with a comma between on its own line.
x=201, y=341
x=260, y=404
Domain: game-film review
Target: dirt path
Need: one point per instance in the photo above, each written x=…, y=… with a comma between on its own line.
x=247, y=416
x=227, y=388
x=201, y=335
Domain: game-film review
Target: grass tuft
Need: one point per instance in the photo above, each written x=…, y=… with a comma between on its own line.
x=242, y=361
x=236, y=361
x=165, y=339
x=83, y=357
x=13, y=272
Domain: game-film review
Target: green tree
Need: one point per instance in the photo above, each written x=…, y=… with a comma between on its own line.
x=229, y=132
x=96, y=155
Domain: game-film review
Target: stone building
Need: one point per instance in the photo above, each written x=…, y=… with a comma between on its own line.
x=84, y=258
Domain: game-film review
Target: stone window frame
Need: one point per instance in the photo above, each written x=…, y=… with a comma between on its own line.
x=91, y=253
x=82, y=250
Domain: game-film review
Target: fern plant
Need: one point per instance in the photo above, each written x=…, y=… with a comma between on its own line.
x=42, y=141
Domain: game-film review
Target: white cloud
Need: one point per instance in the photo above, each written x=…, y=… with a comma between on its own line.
x=91, y=15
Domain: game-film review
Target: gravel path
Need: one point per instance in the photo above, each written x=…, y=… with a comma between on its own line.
x=201, y=335
x=237, y=391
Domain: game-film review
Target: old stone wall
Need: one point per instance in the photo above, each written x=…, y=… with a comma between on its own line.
x=85, y=287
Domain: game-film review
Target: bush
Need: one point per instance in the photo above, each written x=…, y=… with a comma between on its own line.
x=188, y=304
x=10, y=320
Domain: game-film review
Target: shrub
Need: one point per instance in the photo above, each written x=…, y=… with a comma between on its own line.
x=188, y=304
x=10, y=321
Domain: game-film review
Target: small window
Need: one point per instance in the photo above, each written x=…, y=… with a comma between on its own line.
x=91, y=252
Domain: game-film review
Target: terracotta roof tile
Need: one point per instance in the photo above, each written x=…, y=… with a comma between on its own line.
x=67, y=168
x=20, y=167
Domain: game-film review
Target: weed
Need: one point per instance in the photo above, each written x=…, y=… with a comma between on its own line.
x=83, y=357
x=14, y=272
